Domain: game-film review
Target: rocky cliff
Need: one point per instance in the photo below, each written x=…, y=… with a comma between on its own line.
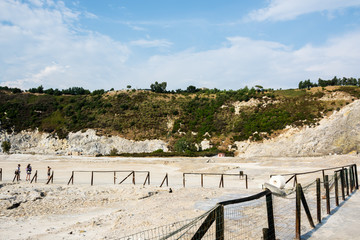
x=336, y=134
x=79, y=143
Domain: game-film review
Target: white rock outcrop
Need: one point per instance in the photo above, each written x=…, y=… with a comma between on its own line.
x=336, y=134
x=84, y=143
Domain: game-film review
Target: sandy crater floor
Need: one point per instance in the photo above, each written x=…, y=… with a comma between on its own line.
x=109, y=211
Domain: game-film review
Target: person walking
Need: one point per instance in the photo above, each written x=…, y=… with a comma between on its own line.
x=17, y=172
x=28, y=172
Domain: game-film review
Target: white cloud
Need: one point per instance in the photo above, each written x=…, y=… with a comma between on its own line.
x=280, y=10
x=42, y=45
x=36, y=35
x=249, y=62
x=151, y=43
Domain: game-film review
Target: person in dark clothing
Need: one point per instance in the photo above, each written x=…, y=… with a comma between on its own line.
x=28, y=172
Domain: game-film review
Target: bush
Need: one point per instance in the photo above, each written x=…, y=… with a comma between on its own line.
x=6, y=146
x=184, y=145
x=114, y=152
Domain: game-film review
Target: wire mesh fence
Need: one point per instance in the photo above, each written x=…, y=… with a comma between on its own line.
x=264, y=215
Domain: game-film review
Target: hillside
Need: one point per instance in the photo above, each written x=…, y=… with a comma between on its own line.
x=143, y=121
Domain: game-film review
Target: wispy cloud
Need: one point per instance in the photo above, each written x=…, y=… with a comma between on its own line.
x=280, y=10
x=151, y=43
x=249, y=62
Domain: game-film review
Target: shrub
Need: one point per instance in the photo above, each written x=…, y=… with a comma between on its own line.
x=114, y=152
x=6, y=146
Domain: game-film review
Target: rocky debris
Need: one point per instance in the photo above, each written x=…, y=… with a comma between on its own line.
x=336, y=134
x=79, y=143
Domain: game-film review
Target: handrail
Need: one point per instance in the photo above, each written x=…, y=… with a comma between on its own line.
x=245, y=199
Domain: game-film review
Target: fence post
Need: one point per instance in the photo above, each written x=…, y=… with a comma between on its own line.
x=342, y=180
x=318, y=200
x=0, y=174
x=298, y=213
x=246, y=181
x=34, y=177
x=336, y=189
x=295, y=180
x=347, y=181
x=202, y=180
x=183, y=179
x=221, y=184
x=92, y=178
x=219, y=222
x=270, y=215
x=356, y=177
x=306, y=208
x=327, y=193
x=52, y=177
x=71, y=178
x=266, y=235
x=133, y=178
x=114, y=177
x=323, y=173
x=351, y=176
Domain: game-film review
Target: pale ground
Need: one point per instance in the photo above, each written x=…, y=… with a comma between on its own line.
x=108, y=211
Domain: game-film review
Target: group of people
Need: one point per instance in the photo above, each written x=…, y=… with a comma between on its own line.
x=28, y=172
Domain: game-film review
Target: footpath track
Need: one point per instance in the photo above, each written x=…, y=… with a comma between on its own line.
x=342, y=223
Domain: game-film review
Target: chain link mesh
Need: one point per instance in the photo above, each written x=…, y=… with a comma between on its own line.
x=247, y=220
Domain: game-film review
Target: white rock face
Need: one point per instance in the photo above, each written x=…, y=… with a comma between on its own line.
x=85, y=143
x=337, y=134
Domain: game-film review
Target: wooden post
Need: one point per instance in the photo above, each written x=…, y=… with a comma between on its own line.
x=51, y=178
x=295, y=180
x=221, y=184
x=0, y=174
x=342, y=181
x=347, y=181
x=306, y=208
x=246, y=181
x=318, y=200
x=133, y=178
x=183, y=179
x=327, y=192
x=202, y=180
x=323, y=173
x=165, y=179
x=298, y=213
x=92, y=178
x=219, y=222
x=356, y=177
x=270, y=216
x=147, y=179
x=336, y=189
x=34, y=177
x=351, y=176
x=71, y=178
x=114, y=177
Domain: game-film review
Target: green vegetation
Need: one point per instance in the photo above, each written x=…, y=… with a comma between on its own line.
x=183, y=118
x=332, y=82
x=6, y=146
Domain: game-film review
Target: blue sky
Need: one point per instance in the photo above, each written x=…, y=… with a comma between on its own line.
x=226, y=44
